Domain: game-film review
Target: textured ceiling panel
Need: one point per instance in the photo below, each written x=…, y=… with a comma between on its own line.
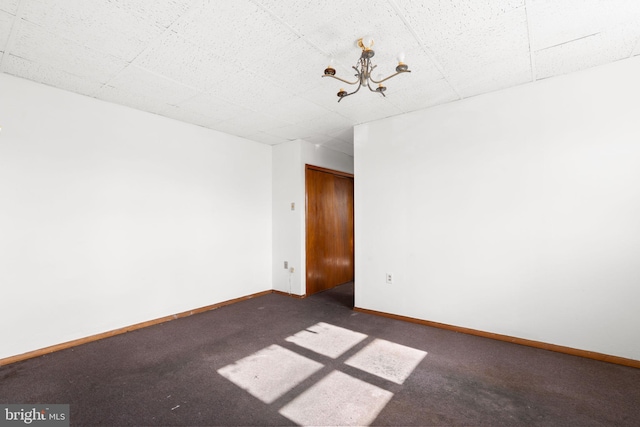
x=10, y=6
x=183, y=61
x=297, y=68
x=38, y=45
x=422, y=95
x=290, y=132
x=233, y=128
x=335, y=26
x=236, y=30
x=296, y=110
x=163, y=13
x=325, y=94
x=491, y=55
x=376, y=107
x=265, y=138
x=327, y=124
x=213, y=107
x=6, y=21
x=253, y=92
x=601, y=48
x=555, y=22
x=253, y=122
x=253, y=68
x=43, y=73
x=95, y=24
x=119, y=96
x=145, y=84
x=436, y=21
x=195, y=118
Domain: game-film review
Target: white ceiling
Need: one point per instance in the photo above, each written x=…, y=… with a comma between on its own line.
x=252, y=67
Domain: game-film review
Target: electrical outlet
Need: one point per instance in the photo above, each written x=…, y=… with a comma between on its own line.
x=293, y=206
x=291, y=270
x=390, y=278
x=286, y=264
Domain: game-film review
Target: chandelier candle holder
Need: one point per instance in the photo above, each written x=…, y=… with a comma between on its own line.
x=364, y=68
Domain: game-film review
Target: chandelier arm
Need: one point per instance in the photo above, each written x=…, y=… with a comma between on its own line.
x=373, y=90
x=392, y=75
x=342, y=80
x=349, y=94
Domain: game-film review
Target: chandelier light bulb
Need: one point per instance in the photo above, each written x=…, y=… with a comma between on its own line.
x=330, y=70
x=367, y=42
x=400, y=58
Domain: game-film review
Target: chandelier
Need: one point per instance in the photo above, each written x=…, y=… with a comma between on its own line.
x=364, y=68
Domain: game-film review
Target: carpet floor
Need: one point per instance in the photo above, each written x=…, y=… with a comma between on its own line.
x=276, y=360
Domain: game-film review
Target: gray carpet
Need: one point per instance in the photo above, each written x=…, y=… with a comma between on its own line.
x=168, y=374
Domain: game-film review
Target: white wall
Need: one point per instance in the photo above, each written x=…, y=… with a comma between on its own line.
x=515, y=212
x=288, y=225
x=289, y=160
x=110, y=216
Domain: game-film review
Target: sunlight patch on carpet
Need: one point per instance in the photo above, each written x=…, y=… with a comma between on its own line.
x=326, y=339
x=388, y=360
x=337, y=400
x=270, y=372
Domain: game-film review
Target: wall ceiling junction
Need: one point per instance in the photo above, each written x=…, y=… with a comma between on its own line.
x=252, y=68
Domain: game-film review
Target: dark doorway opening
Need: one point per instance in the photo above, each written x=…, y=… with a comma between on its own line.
x=342, y=295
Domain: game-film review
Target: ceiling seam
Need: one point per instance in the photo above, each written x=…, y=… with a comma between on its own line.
x=569, y=41
x=202, y=91
x=635, y=46
x=167, y=29
x=293, y=30
x=147, y=48
x=151, y=44
x=17, y=18
x=424, y=47
x=532, y=61
x=301, y=36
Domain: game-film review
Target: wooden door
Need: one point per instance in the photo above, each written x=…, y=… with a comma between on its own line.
x=329, y=228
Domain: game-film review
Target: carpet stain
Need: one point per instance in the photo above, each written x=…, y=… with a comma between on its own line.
x=475, y=396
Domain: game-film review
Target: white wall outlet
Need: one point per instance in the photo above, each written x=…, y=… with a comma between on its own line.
x=390, y=278
x=291, y=270
x=293, y=206
x=286, y=264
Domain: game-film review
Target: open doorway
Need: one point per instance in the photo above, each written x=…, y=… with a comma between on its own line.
x=329, y=229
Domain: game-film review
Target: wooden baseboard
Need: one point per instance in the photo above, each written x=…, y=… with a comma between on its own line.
x=530, y=343
x=289, y=295
x=69, y=344
x=537, y=344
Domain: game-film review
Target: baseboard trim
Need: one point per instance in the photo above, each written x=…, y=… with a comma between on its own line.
x=80, y=341
x=530, y=343
x=287, y=294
